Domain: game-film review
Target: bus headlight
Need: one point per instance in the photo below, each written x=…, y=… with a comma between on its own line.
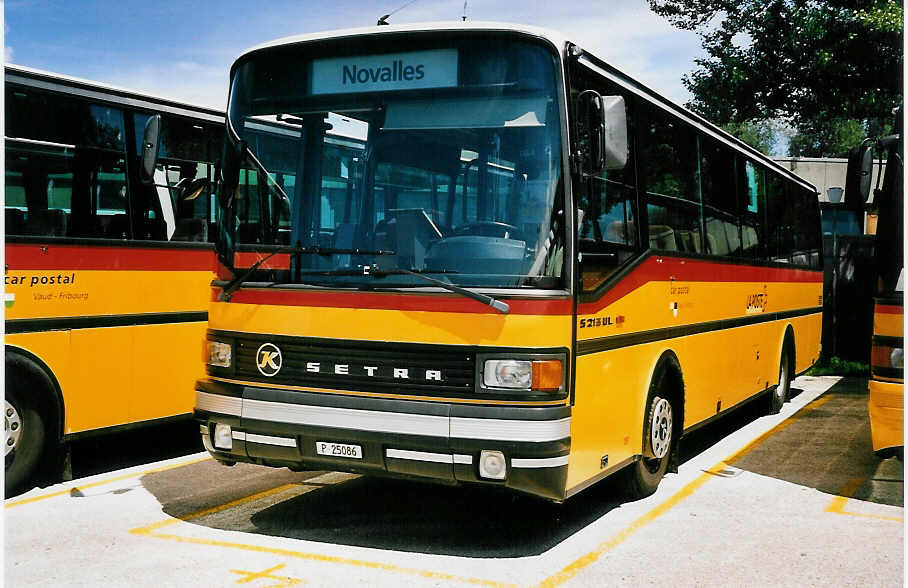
x=219, y=354
x=541, y=375
x=897, y=358
x=507, y=373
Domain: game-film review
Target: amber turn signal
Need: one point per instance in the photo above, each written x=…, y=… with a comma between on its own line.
x=547, y=375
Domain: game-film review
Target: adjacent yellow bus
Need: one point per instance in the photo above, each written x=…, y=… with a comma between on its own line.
x=506, y=263
x=105, y=276
x=887, y=368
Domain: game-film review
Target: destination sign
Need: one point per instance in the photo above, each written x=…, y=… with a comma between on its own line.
x=392, y=71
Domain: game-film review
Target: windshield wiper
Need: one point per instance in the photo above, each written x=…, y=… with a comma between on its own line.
x=498, y=305
x=377, y=272
x=234, y=284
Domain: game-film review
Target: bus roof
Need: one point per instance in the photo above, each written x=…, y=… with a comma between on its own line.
x=554, y=37
x=559, y=41
x=96, y=90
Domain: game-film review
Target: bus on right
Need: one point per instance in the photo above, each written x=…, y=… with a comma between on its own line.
x=887, y=388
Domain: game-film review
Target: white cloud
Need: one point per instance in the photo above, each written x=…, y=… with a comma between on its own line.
x=184, y=81
x=7, y=54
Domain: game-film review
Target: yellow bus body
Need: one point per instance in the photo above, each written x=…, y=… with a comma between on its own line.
x=731, y=355
x=886, y=386
x=102, y=334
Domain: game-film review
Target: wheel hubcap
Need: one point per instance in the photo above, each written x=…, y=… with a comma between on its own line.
x=12, y=426
x=661, y=429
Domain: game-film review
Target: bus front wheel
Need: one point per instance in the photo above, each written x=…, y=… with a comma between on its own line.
x=779, y=395
x=658, y=442
x=24, y=439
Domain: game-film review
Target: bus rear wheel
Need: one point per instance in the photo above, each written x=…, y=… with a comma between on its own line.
x=24, y=439
x=658, y=442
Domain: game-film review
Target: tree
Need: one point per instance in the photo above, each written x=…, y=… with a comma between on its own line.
x=823, y=67
x=759, y=135
x=828, y=138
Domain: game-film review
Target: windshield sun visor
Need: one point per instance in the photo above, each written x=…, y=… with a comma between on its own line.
x=466, y=113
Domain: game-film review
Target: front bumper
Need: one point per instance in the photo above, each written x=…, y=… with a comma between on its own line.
x=433, y=440
x=887, y=414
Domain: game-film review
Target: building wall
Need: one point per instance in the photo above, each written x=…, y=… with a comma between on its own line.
x=824, y=173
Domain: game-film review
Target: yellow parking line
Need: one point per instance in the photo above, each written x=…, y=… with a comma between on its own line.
x=70, y=489
x=588, y=559
x=837, y=506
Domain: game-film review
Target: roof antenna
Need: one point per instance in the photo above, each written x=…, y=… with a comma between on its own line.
x=465, y=10
x=384, y=19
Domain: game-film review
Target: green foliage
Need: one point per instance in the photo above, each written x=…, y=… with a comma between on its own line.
x=819, y=65
x=833, y=137
x=759, y=135
x=836, y=366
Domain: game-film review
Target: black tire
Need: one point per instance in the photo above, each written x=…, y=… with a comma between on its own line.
x=659, y=432
x=781, y=391
x=25, y=427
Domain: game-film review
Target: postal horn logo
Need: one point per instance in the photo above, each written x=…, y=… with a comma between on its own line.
x=268, y=359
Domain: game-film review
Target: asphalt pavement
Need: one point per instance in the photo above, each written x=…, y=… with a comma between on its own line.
x=795, y=499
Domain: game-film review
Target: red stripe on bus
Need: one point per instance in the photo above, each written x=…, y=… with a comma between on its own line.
x=889, y=309
x=35, y=257
x=664, y=269
x=245, y=259
x=387, y=301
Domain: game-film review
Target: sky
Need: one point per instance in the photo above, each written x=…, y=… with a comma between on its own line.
x=184, y=51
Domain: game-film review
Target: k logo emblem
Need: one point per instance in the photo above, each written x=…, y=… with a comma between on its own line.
x=268, y=359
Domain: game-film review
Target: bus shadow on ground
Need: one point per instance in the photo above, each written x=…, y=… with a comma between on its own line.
x=829, y=446
x=466, y=521
x=111, y=452
x=403, y=515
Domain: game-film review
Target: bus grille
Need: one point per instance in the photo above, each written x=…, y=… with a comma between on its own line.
x=399, y=368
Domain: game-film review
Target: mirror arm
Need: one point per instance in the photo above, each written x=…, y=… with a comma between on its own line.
x=597, y=156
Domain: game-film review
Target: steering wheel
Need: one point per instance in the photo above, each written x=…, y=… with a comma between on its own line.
x=489, y=229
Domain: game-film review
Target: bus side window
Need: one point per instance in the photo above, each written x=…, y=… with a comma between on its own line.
x=753, y=211
x=606, y=200
x=813, y=234
x=668, y=165
x=169, y=210
x=805, y=214
x=719, y=192
x=778, y=242
x=66, y=173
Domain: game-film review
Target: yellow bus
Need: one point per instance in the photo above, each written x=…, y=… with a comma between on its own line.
x=523, y=269
x=105, y=276
x=886, y=385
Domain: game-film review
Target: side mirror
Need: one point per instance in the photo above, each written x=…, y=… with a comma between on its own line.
x=150, y=147
x=859, y=174
x=616, y=145
x=190, y=189
x=230, y=171
x=603, y=121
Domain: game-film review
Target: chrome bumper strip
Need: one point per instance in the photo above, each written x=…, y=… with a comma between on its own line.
x=533, y=431
x=547, y=462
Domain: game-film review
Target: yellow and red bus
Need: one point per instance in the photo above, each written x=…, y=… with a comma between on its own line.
x=105, y=276
x=523, y=269
x=887, y=384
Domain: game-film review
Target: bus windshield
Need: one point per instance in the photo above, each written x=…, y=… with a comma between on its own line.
x=446, y=155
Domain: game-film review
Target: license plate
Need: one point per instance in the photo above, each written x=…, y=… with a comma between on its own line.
x=338, y=450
